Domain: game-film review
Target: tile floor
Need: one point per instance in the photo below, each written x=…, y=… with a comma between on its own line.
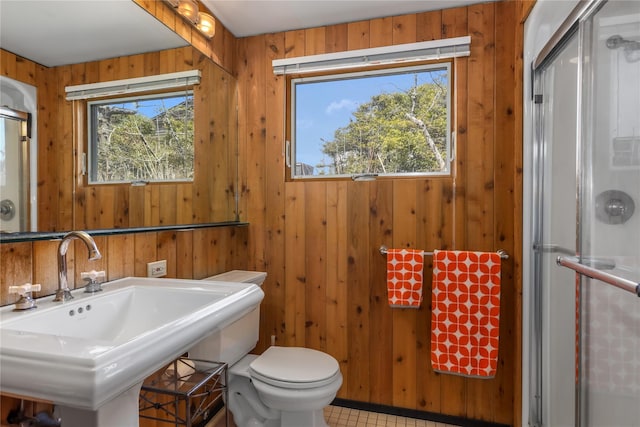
x=346, y=417
x=337, y=416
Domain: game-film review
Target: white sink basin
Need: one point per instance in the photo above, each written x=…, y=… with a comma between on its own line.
x=87, y=351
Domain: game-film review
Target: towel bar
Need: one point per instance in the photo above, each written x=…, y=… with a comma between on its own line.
x=503, y=254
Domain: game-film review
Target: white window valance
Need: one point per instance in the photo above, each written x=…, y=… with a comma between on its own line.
x=135, y=85
x=410, y=52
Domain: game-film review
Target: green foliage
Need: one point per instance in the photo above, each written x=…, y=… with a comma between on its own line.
x=134, y=147
x=399, y=132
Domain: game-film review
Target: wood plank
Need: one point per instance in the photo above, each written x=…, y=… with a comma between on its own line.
x=184, y=204
x=381, y=230
x=404, y=320
x=522, y=11
x=200, y=254
x=358, y=35
x=434, y=224
x=167, y=204
x=296, y=274
x=429, y=25
x=121, y=256
x=314, y=39
x=146, y=251
x=358, y=290
x=167, y=250
x=454, y=24
x=381, y=32
x=316, y=251
x=45, y=266
x=184, y=253
x=256, y=105
x=47, y=188
x=404, y=29
x=506, y=231
x=16, y=260
x=336, y=288
x=64, y=148
x=273, y=307
x=336, y=38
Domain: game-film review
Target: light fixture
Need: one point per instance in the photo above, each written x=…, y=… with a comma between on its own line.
x=188, y=10
x=206, y=24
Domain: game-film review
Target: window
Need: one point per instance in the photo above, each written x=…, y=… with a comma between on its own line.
x=141, y=139
x=391, y=122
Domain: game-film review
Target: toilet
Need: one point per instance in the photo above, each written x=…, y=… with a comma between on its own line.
x=284, y=386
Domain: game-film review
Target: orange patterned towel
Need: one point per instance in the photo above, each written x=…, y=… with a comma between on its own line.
x=465, y=317
x=404, y=277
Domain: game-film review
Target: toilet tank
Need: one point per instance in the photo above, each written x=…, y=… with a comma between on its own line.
x=236, y=340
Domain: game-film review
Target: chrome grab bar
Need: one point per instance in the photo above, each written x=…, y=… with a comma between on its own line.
x=618, y=282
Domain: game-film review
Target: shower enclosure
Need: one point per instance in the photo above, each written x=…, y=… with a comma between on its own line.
x=14, y=170
x=583, y=321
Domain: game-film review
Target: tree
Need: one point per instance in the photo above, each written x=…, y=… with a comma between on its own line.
x=399, y=132
x=132, y=146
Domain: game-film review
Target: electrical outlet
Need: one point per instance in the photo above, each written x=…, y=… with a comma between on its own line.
x=157, y=268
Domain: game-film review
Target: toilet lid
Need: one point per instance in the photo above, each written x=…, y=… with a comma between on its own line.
x=294, y=365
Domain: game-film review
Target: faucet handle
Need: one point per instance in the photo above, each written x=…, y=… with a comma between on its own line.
x=91, y=277
x=25, y=289
x=25, y=302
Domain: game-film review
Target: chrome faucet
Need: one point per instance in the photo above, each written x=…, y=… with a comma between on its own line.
x=63, y=293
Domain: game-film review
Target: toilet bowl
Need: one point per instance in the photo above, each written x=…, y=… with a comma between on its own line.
x=285, y=386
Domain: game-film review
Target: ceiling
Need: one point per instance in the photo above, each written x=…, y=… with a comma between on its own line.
x=61, y=32
x=250, y=17
x=54, y=32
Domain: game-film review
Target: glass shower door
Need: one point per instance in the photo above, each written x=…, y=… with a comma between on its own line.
x=586, y=365
x=610, y=226
x=14, y=171
x=556, y=189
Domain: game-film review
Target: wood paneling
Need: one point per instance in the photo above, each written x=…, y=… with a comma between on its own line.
x=319, y=240
x=214, y=250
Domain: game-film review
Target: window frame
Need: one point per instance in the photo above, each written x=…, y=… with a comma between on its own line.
x=90, y=164
x=344, y=74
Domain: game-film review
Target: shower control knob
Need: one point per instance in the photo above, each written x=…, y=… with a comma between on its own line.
x=7, y=210
x=614, y=207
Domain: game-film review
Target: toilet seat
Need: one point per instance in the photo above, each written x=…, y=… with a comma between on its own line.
x=295, y=368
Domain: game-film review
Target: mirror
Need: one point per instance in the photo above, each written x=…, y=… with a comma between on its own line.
x=65, y=199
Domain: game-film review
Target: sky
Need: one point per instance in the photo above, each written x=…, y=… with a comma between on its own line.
x=324, y=106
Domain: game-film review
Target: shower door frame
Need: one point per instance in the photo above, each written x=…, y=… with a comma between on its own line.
x=24, y=139
x=576, y=25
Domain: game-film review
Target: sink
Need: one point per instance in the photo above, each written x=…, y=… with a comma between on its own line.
x=88, y=352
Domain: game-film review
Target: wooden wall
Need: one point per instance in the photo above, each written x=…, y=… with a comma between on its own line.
x=319, y=240
x=190, y=254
